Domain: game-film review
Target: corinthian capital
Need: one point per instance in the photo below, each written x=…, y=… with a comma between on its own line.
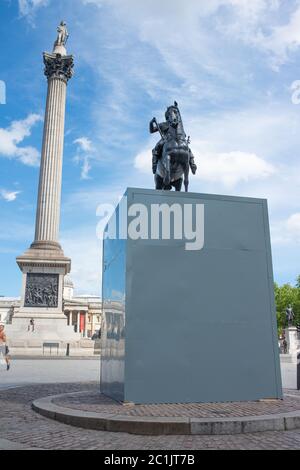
x=58, y=66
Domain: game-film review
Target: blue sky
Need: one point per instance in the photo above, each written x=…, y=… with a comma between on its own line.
x=230, y=64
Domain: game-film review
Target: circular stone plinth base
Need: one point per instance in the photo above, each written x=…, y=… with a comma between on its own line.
x=92, y=410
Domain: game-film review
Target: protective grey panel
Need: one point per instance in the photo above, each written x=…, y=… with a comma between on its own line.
x=201, y=325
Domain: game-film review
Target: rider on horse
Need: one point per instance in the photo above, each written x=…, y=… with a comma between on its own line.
x=157, y=152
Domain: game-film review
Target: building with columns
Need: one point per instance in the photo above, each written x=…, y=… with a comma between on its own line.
x=83, y=312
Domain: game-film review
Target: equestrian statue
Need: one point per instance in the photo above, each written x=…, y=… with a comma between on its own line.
x=172, y=158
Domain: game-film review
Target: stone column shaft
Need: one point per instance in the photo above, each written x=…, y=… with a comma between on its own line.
x=78, y=322
x=86, y=324
x=58, y=70
x=48, y=206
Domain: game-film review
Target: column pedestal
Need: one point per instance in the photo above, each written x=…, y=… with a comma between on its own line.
x=43, y=274
x=292, y=342
x=290, y=363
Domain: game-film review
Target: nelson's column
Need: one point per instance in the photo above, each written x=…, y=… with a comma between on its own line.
x=44, y=264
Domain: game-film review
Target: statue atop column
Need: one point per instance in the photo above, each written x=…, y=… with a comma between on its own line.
x=61, y=40
x=59, y=64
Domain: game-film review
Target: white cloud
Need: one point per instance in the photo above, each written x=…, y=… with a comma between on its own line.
x=85, y=149
x=86, y=167
x=233, y=167
x=245, y=20
x=286, y=231
x=205, y=22
x=9, y=195
x=85, y=144
x=268, y=130
x=227, y=168
x=283, y=40
x=29, y=7
x=12, y=136
x=293, y=225
x=260, y=23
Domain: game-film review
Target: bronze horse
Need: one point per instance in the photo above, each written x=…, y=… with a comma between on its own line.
x=171, y=158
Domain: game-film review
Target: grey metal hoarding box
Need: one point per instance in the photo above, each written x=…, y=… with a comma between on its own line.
x=189, y=325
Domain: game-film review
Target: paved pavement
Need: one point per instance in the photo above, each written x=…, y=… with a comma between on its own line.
x=35, y=371
x=21, y=427
x=20, y=424
x=92, y=401
x=10, y=445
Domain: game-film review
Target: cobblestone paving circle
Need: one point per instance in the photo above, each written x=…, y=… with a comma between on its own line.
x=19, y=423
x=93, y=401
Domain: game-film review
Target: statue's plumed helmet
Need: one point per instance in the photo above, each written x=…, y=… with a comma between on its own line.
x=175, y=105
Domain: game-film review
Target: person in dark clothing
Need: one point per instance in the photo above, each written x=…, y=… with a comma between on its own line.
x=31, y=325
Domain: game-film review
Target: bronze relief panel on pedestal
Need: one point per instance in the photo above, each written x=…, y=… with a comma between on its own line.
x=41, y=290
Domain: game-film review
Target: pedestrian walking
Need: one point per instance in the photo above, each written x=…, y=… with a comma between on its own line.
x=4, y=351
